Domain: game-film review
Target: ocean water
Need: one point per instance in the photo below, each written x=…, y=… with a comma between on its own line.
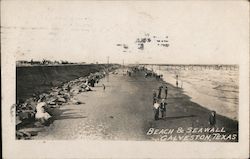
x=213, y=88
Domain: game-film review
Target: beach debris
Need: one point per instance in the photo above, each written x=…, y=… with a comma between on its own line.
x=23, y=135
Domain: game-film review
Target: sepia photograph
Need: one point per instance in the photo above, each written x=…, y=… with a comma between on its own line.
x=129, y=73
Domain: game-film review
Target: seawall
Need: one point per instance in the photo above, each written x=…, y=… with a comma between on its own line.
x=34, y=80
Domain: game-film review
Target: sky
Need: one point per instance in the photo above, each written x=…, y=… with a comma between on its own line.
x=198, y=32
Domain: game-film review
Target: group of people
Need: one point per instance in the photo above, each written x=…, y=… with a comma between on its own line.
x=153, y=74
x=160, y=103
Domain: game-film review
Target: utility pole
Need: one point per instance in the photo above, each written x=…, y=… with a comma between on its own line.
x=108, y=69
x=123, y=65
x=108, y=60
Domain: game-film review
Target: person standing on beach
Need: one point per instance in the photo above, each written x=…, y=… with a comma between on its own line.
x=165, y=88
x=212, y=118
x=156, y=109
x=176, y=80
x=159, y=93
x=163, y=108
x=154, y=96
x=104, y=87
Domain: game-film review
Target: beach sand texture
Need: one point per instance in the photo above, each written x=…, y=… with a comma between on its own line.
x=124, y=111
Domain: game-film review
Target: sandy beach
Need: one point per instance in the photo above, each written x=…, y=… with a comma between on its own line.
x=124, y=111
x=214, y=89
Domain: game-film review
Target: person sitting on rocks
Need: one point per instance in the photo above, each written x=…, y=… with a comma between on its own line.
x=86, y=86
x=41, y=115
x=92, y=82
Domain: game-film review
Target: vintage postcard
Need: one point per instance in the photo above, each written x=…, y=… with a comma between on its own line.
x=123, y=79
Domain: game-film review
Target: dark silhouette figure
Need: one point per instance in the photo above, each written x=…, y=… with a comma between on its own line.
x=154, y=97
x=159, y=93
x=163, y=106
x=212, y=118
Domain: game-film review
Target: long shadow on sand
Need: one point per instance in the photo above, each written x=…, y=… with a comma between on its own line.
x=178, y=117
x=57, y=114
x=61, y=114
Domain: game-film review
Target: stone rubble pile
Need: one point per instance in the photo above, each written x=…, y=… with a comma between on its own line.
x=35, y=109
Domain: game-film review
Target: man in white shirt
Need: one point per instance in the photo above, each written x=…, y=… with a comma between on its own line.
x=156, y=110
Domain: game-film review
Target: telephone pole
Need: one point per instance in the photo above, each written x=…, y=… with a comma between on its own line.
x=108, y=69
x=123, y=65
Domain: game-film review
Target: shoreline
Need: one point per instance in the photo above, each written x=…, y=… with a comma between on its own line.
x=230, y=126
x=202, y=90
x=191, y=100
x=124, y=112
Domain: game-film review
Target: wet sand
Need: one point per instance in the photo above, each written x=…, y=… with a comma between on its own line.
x=124, y=111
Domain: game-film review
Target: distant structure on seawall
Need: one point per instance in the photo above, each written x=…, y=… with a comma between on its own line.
x=20, y=63
x=197, y=66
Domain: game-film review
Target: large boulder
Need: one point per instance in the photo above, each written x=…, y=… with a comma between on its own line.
x=61, y=99
x=75, y=101
x=18, y=120
x=52, y=100
x=23, y=135
x=26, y=115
